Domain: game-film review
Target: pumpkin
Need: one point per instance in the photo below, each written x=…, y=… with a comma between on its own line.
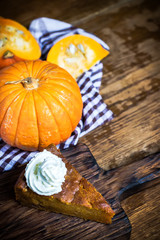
x=40, y=104
x=76, y=54
x=16, y=43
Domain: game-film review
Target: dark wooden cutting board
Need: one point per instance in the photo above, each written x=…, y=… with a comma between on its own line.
x=19, y=222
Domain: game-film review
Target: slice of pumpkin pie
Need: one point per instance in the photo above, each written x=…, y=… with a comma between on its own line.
x=51, y=183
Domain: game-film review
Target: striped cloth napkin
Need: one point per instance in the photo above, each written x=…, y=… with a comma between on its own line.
x=95, y=112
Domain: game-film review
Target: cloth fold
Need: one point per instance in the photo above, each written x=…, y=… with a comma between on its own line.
x=95, y=112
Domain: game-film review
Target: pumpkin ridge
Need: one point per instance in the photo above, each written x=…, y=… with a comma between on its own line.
x=59, y=91
x=35, y=74
x=30, y=71
x=14, y=66
x=61, y=103
x=27, y=68
x=20, y=72
x=18, y=75
x=37, y=115
x=67, y=80
x=51, y=68
x=43, y=69
x=51, y=113
x=10, y=92
x=36, y=118
x=59, y=83
x=8, y=108
x=8, y=73
x=19, y=118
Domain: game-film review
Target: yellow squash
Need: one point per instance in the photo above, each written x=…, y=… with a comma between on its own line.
x=76, y=54
x=16, y=43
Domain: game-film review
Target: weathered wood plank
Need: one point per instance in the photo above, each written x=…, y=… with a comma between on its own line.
x=131, y=136
x=144, y=205
x=71, y=11
x=130, y=85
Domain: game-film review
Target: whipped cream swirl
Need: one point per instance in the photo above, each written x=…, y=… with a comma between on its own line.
x=45, y=173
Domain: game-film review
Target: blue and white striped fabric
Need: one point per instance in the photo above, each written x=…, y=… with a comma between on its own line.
x=95, y=112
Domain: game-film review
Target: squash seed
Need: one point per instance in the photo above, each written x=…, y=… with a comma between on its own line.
x=81, y=48
x=71, y=49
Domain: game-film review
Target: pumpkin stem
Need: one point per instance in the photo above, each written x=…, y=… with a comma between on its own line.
x=28, y=83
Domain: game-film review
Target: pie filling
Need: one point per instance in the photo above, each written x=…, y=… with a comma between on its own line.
x=77, y=197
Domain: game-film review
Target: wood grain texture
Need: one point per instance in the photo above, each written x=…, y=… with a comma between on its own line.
x=137, y=206
x=130, y=84
x=131, y=136
x=75, y=12
x=19, y=222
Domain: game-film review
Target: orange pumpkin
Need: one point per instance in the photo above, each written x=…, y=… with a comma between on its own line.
x=76, y=54
x=40, y=104
x=16, y=43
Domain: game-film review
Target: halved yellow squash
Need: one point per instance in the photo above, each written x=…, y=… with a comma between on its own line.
x=76, y=54
x=16, y=43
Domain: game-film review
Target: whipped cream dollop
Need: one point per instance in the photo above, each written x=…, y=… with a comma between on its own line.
x=45, y=173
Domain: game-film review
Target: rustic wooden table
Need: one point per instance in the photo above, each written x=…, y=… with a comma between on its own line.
x=130, y=87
